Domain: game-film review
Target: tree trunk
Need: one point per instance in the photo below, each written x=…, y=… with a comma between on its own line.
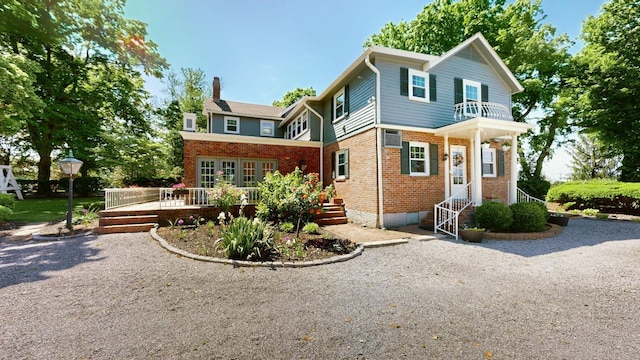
x=44, y=170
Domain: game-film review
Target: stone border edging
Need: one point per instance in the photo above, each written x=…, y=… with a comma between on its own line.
x=268, y=264
x=36, y=236
x=551, y=232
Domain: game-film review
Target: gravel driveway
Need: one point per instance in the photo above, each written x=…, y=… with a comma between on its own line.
x=575, y=296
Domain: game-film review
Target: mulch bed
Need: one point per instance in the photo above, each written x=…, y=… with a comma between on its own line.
x=201, y=240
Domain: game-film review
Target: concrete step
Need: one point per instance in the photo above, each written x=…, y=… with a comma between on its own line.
x=128, y=228
x=127, y=220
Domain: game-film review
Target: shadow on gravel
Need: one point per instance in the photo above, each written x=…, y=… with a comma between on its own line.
x=29, y=261
x=579, y=233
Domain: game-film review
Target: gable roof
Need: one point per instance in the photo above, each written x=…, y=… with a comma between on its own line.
x=235, y=108
x=484, y=48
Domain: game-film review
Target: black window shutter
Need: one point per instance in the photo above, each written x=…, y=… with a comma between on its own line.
x=404, y=158
x=432, y=87
x=404, y=81
x=500, y=162
x=457, y=90
x=333, y=109
x=485, y=92
x=433, y=159
x=333, y=164
x=346, y=99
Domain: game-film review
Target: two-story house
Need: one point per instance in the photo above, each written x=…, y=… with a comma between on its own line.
x=397, y=133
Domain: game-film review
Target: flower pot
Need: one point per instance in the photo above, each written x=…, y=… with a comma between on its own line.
x=474, y=236
x=559, y=220
x=180, y=192
x=337, y=201
x=486, y=145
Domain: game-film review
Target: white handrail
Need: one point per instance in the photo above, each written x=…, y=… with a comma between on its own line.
x=524, y=197
x=114, y=198
x=491, y=110
x=167, y=197
x=447, y=212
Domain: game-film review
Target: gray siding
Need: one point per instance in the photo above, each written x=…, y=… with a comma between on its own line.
x=360, y=91
x=399, y=110
x=248, y=126
x=314, y=126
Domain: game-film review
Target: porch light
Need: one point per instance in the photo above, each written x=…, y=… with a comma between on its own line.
x=302, y=165
x=70, y=166
x=445, y=157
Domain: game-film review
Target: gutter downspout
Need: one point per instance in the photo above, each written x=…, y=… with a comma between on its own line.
x=321, y=140
x=367, y=61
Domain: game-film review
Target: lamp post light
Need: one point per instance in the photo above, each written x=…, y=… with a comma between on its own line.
x=70, y=166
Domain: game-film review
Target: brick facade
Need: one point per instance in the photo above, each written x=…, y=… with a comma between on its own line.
x=288, y=157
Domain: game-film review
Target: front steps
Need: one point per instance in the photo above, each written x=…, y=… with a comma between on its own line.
x=112, y=222
x=332, y=214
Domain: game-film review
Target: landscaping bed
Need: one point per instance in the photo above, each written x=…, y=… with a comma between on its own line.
x=201, y=240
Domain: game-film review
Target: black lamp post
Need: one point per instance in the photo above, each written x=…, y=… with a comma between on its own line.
x=70, y=166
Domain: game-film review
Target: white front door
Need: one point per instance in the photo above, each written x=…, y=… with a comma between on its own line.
x=458, y=158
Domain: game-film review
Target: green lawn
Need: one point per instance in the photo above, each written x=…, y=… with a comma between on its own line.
x=50, y=209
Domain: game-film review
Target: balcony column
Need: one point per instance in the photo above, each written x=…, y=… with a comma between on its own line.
x=477, y=169
x=513, y=189
x=447, y=174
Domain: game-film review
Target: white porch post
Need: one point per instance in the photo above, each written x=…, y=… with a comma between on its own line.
x=513, y=189
x=477, y=169
x=447, y=175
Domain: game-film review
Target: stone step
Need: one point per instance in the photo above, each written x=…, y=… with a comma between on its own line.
x=127, y=220
x=128, y=228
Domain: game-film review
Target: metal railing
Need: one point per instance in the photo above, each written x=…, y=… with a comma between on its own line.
x=446, y=213
x=470, y=110
x=114, y=198
x=524, y=197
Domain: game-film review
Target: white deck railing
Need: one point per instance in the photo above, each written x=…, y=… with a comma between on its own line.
x=470, y=110
x=446, y=213
x=167, y=197
x=114, y=198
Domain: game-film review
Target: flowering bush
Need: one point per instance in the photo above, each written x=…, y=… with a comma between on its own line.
x=245, y=239
x=179, y=186
x=291, y=198
x=224, y=194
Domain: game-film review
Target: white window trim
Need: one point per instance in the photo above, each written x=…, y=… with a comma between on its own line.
x=267, y=124
x=424, y=75
x=344, y=113
x=426, y=158
x=342, y=177
x=475, y=107
x=226, y=124
x=495, y=162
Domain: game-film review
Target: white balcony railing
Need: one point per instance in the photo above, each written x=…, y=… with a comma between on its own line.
x=469, y=110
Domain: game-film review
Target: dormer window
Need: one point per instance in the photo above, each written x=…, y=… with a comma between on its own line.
x=231, y=125
x=418, y=85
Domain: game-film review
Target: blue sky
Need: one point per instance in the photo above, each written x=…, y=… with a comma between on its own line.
x=262, y=49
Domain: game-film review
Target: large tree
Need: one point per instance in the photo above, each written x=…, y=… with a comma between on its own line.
x=606, y=80
x=590, y=159
x=290, y=97
x=530, y=49
x=88, y=56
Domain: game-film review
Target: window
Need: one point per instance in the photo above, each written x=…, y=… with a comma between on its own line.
x=228, y=168
x=342, y=164
x=207, y=173
x=298, y=126
x=418, y=159
x=240, y=172
x=418, y=85
x=189, y=123
x=304, y=120
x=267, y=128
x=267, y=167
x=489, y=162
x=231, y=125
x=249, y=174
x=471, y=95
x=338, y=105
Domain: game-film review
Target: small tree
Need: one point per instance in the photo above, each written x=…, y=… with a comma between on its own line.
x=592, y=160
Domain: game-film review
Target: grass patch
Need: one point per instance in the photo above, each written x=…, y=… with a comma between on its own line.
x=50, y=209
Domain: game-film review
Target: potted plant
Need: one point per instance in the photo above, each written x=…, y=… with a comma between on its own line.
x=180, y=189
x=485, y=144
x=558, y=219
x=506, y=146
x=472, y=234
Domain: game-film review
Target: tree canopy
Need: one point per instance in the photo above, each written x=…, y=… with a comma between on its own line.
x=82, y=61
x=606, y=81
x=529, y=48
x=291, y=97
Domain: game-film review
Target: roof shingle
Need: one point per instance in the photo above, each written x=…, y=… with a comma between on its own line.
x=238, y=108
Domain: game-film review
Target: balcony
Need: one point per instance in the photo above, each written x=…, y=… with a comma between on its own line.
x=469, y=110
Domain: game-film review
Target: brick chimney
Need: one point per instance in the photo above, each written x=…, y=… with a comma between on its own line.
x=216, y=88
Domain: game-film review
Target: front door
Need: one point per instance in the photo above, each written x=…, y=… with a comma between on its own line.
x=458, y=159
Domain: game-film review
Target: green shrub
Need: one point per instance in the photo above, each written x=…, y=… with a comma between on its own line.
x=286, y=227
x=591, y=212
x=245, y=239
x=7, y=200
x=602, y=216
x=5, y=213
x=545, y=210
x=528, y=217
x=311, y=228
x=609, y=195
x=494, y=216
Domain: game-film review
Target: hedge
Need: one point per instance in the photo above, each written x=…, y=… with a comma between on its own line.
x=605, y=195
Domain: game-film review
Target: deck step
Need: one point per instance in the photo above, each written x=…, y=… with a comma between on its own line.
x=127, y=228
x=127, y=220
x=331, y=214
x=332, y=221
